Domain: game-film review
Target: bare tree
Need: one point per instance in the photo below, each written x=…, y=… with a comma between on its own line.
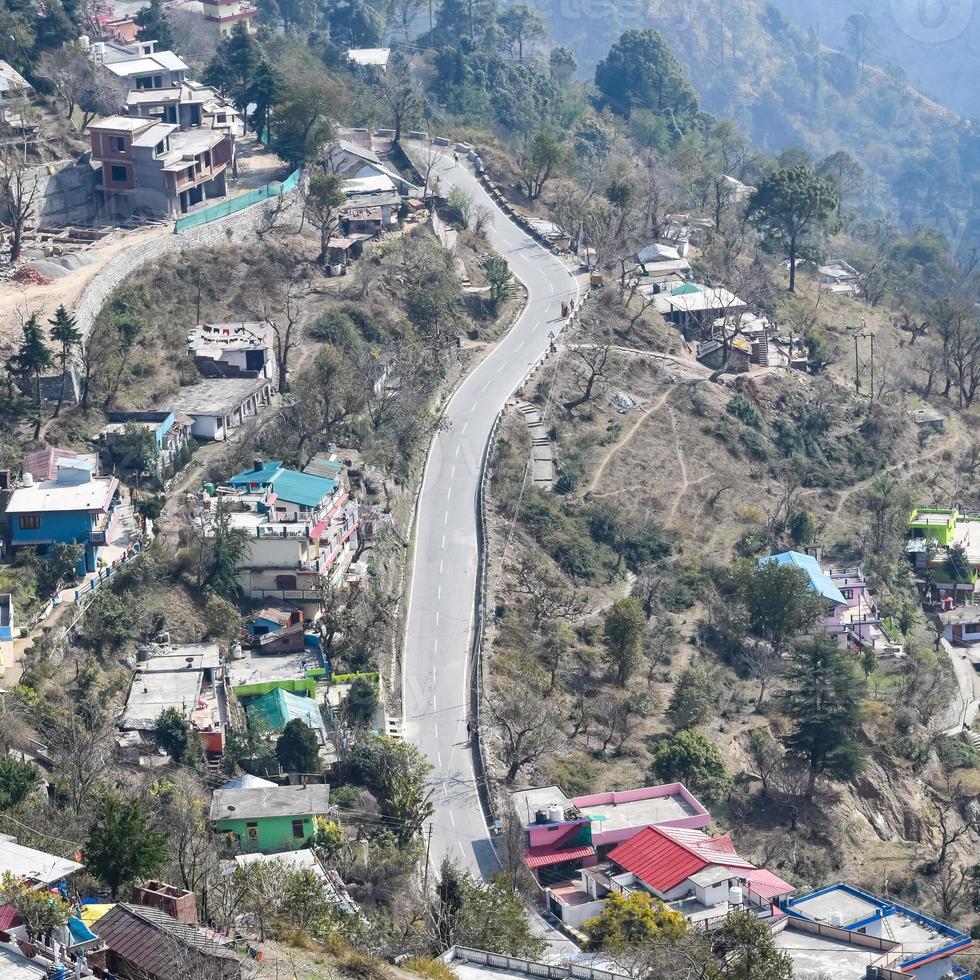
x=400, y=93
x=528, y=726
x=82, y=749
x=426, y=160
x=950, y=889
x=953, y=820
x=19, y=196
x=482, y=220
x=549, y=595
x=590, y=371
x=280, y=306
x=763, y=662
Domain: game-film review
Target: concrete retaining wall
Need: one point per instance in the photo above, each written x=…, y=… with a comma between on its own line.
x=237, y=227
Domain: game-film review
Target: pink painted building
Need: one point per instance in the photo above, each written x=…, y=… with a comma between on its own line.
x=567, y=833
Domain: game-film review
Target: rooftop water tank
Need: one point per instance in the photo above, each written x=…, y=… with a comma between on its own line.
x=28, y=479
x=837, y=919
x=556, y=813
x=735, y=895
x=83, y=42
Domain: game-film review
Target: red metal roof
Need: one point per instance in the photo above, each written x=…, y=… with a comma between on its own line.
x=767, y=885
x=541, y=857
x=662, y=857
x=9, y=919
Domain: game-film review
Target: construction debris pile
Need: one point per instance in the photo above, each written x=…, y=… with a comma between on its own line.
x=29, y=276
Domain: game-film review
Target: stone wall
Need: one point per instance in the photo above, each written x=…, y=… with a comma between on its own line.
x=237, y=227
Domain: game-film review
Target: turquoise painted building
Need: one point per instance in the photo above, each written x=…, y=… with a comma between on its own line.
x=269, y=819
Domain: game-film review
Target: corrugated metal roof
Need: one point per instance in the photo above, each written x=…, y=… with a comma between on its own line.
x=548, y=854
x=767, y=885
x=662, y=857
x=302, y=488
x=257, y=477
x=155, y=942
x=820, y=581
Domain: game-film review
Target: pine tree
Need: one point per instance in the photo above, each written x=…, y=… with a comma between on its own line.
x=235, y=66
x=122, y=846
x=824, y=702
x=32, y=358
x=154, y=26
x=65, y=332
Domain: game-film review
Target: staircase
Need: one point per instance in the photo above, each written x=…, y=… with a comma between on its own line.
x=542, y=455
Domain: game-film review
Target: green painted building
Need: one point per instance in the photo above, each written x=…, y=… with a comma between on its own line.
x=269, y=819
x=939, y=525
x=945, y=546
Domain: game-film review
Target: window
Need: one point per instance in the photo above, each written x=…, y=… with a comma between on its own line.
x=30, y=522
x=158, y=149
x=847, y=593
x=119, y=174
x=158, y=81
x=298, y=830
x=120, y=144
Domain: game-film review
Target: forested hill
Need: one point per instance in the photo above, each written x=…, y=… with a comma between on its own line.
x=784, y=89
x=934, y=43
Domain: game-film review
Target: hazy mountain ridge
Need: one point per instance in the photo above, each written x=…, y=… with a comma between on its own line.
x=747, y=61
x=934, y=43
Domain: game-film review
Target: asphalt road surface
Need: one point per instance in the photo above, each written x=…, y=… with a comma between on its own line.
x=442, y=597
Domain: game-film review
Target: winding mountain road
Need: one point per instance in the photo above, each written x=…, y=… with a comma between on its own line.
x=442, y=595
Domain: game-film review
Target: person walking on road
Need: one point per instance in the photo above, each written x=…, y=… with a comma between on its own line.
x=455, y=157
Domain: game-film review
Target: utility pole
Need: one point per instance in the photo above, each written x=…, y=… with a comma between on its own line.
x=864, y=365
x=425, y=874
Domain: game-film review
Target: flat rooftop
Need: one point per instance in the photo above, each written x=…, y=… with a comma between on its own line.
x=528, y=801
x=151, y=693
x=639, y=813
x=820, y=906
x=50, y=495
x=821, y=955
x=932, y=520
x=470, y=965
x=170, y=680
x=13, y=966
x=257, y=668
x=218, y=396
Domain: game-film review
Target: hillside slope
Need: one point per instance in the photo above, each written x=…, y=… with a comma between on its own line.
x=935, y=43
x=785, y=89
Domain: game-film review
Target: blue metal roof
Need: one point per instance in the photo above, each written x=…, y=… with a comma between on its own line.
x=257, y=477
x=302, y=488
x=820, y=581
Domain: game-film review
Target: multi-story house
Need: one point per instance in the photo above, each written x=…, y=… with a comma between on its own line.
x=187, y=104
x=139, y=65
x=944, y=546
x=222, y=15
x=649, y=840
x=302, y=531
x=157, y=168
x=74, y=507
x=15, y=96
x=170, y=429
x=852, y=615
